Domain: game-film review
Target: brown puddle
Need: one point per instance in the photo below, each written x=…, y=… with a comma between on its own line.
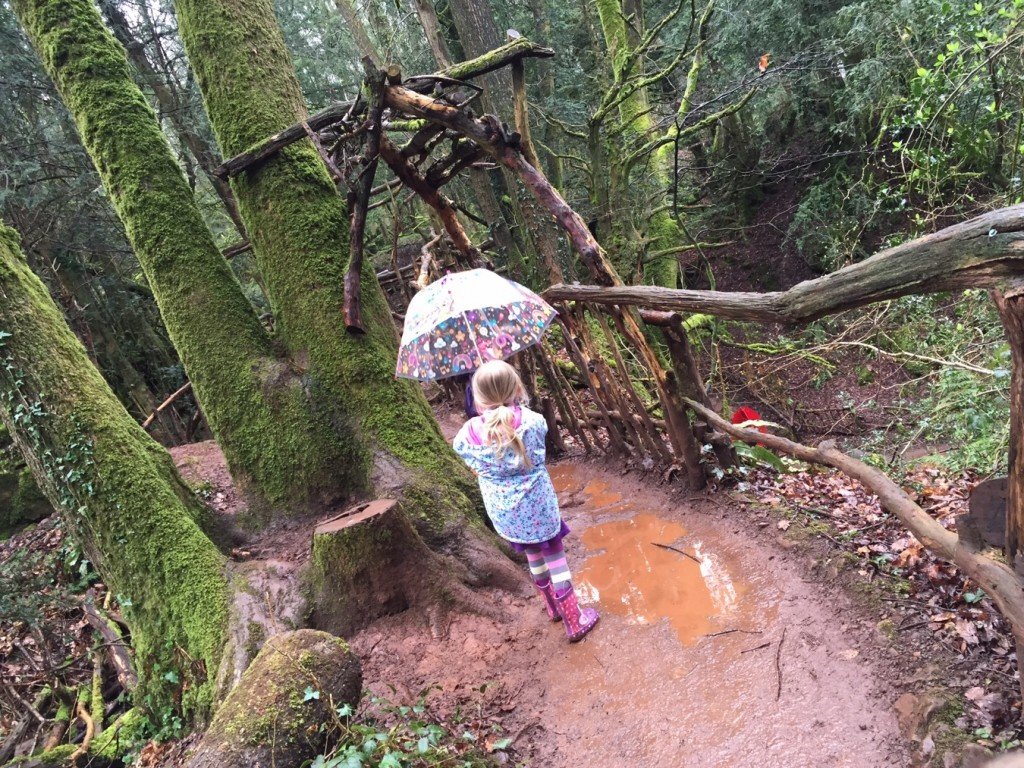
x=632, y=577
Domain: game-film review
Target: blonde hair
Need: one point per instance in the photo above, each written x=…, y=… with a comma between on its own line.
x=496, y=388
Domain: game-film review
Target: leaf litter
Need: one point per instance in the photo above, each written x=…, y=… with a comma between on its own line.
x=934, y=605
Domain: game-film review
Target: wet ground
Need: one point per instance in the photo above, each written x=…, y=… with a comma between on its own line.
x=685, y=667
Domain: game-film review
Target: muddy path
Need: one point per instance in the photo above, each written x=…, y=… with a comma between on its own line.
x=685, y=668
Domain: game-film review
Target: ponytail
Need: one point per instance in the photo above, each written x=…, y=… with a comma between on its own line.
x=499, y=430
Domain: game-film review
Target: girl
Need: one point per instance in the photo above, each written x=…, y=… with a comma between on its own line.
x=504, y=446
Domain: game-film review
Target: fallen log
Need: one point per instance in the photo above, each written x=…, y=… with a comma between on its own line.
x=997, y=580
x=977, y=253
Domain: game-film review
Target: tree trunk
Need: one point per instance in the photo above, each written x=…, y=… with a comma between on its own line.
x=116, y=489
x=527, y=229
x=171, y=105
x=432, y=29
x=1010, y=303
x=478, y=33
x=553, y=164
x=298, y=226
x=254, y=401
x=357, y=30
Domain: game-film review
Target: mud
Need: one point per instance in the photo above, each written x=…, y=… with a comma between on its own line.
x=682, y=669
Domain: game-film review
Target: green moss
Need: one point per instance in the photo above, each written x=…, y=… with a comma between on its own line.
x=123, y=734
x=29, y=504
x=270, y=708
x=662, y=233
x=257, y=635
x=254, y=402
x=298, y=226
x=888, y=628
x=121, y=498
x=58, y=756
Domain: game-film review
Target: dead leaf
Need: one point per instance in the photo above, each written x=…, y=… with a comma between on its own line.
x=975, y=693
x=966, y=629
x=762, y=63
x=783, y=525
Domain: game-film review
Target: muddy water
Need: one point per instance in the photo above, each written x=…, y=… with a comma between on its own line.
x=657, y=685
x=629, y=574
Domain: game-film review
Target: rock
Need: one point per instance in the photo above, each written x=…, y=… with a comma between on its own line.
x=916, y=712
x=294, y=682
x=927, y=746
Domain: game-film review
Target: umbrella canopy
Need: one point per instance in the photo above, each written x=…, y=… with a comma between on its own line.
x=461, y=321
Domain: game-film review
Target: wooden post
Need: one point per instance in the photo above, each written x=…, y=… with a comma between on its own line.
x=618, y=408
x=359, y=196
x=687, y=379
x=679, y=432
x=1009, y=301
x=615, y=438
x=543, y=358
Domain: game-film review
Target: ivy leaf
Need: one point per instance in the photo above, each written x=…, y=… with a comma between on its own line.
x=500, y=744
x=310, y=694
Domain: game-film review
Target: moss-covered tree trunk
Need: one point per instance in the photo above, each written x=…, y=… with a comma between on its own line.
x=115, y=488
x=298, y=226
x=656, y=230
x=254, y=399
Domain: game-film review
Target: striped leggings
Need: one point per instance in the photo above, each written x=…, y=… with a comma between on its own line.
x=549, y=564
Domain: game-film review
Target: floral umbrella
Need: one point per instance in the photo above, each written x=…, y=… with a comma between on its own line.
x=461, y=321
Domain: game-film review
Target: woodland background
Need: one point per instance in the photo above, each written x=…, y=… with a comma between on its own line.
x=726, y=145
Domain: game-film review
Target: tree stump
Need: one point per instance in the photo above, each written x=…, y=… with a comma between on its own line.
x=358, y=566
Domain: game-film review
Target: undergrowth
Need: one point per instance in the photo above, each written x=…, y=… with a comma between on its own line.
x=386, y=735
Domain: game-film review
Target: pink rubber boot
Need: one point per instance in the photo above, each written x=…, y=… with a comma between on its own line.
x=577, y=622
x=547, y=592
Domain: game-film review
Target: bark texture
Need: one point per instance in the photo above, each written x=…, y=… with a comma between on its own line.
x=116, y=489
x=1009, y=300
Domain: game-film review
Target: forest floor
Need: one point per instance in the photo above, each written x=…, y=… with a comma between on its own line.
x=685, y=666
x=778, y=632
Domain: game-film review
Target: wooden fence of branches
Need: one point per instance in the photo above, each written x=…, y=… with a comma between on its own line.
x=621, y=400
